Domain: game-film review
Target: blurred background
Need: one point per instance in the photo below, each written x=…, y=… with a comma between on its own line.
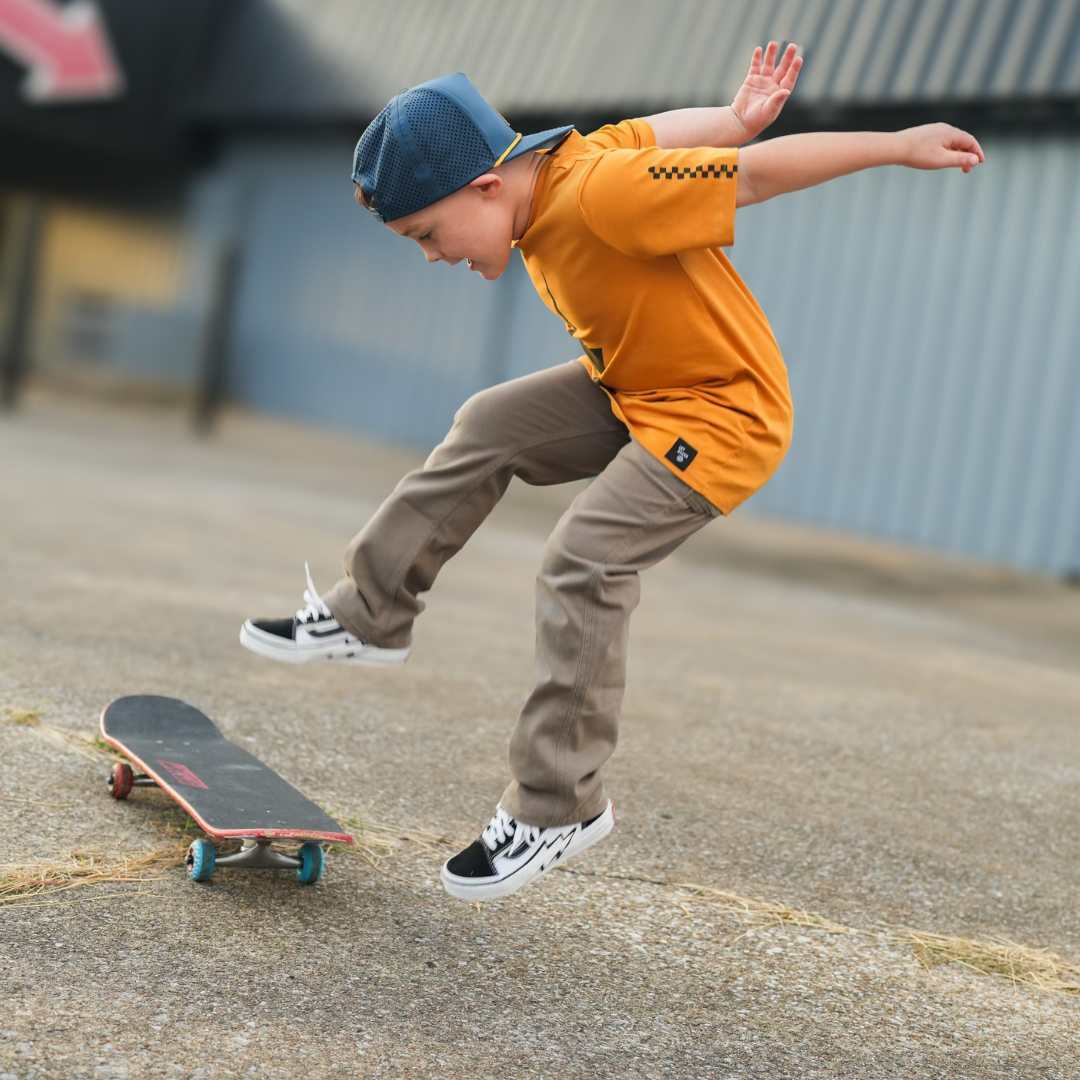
x=177, y=226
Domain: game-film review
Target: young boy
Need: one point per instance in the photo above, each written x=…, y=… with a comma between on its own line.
x=679, y=408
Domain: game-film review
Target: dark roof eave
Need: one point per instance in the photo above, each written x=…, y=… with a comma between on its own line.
x=1058, y=113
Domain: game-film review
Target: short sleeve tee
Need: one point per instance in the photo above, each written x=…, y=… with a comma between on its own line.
x=624, y=244
x=652, y=202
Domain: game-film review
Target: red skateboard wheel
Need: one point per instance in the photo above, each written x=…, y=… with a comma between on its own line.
x=120, y=780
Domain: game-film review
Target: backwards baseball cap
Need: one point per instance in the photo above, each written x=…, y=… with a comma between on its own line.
x=431, y=141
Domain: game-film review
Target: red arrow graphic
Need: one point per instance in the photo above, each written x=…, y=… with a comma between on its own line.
x=66, y=49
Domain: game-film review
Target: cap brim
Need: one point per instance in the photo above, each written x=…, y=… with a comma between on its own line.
x=542, y=140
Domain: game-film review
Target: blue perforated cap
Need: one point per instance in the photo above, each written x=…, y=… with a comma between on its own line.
x=432, y=140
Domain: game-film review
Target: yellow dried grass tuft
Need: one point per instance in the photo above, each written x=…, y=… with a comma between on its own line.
x=28, y=883
x=22, y=883
x=1020, y=964
x=761, y=912
x=22, y=717
x=375, y=841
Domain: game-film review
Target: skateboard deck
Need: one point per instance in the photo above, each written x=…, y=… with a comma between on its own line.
x=229, y=792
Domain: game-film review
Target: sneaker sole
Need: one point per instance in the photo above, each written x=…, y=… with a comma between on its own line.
x=460, y=888
x=368, y=655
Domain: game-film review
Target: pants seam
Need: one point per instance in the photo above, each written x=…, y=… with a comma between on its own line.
x=596, y=578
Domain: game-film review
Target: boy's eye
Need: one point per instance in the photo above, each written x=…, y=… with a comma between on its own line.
x=426, y=236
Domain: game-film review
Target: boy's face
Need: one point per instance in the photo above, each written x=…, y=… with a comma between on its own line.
x=475, y=223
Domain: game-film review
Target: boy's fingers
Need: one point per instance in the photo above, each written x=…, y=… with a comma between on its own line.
x=788, y=81
x=776, y=102
x=785, y=62
x=775, y=105
x=963, y=140
x=769, y=63
x=755, y=63
x=970, y=151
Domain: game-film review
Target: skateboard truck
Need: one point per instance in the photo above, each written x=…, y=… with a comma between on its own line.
x=202, y=859
x=258, y=854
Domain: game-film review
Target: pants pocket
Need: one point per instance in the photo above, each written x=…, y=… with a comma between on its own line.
x=698, y=502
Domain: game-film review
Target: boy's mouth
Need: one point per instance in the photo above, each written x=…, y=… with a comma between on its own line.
x=469, y=261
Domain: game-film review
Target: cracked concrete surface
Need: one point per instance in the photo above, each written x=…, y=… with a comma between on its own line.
x=882, y=736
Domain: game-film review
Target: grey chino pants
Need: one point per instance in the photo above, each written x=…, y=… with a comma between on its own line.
x=548, y=428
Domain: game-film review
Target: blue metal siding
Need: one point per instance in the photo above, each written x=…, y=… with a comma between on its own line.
x=338, y=320
x=929, y=320
x=930, y=323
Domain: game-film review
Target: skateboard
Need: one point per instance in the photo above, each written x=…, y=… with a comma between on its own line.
x=230, y=793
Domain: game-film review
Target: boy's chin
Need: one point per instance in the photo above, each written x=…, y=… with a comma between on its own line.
x=488, y=271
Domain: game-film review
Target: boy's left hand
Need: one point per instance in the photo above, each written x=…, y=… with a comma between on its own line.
x=766, y=87
x=939, y=146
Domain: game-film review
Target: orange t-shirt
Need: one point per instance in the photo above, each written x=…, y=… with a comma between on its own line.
x=623, y=243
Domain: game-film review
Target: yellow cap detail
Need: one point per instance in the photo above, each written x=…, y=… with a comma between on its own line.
x=507, y=151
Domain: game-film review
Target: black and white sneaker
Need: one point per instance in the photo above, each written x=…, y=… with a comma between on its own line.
x=510, y=854
x=313, y=634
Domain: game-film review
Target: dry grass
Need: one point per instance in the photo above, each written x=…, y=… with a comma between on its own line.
x=93, y=748
x=28, y=883
x=376, y=841
x=1021, y=964
x=760, y=912
x=22, y=717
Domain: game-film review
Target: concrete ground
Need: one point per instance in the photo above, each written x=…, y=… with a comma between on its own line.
x=883, y=737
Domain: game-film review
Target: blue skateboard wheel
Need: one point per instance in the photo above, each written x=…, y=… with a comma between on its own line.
x=200, y=860
x=312, y=860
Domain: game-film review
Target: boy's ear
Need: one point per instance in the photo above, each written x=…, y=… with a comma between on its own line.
x=488, y=184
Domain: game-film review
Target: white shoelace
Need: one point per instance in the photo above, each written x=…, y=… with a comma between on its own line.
x=503, y=826
x=316, y=607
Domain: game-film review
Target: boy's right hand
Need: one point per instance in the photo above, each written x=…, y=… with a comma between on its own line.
x=939, y=146
x=766, y=87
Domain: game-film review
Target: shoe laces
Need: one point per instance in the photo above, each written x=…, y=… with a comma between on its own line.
x=315, y=605
x=503, y=827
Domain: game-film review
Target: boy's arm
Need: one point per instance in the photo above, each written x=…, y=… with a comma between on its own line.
x=757, y=104
x=793, y=162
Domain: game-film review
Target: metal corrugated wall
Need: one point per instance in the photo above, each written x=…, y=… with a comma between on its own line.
x=930, y=322
x=338, y=320
x=347, y=57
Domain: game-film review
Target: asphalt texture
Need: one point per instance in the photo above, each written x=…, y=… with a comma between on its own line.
x=881, y=736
